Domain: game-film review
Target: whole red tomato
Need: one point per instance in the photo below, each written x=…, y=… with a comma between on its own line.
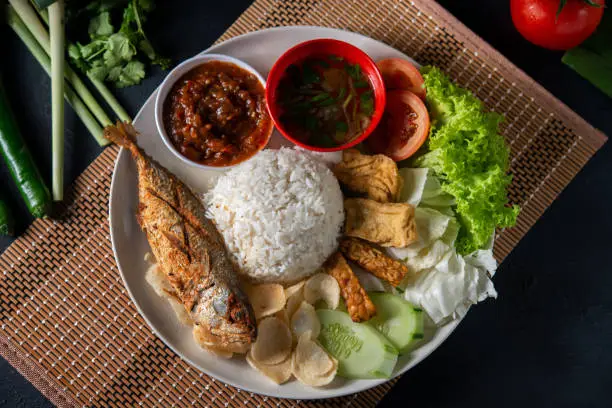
x=538, y=22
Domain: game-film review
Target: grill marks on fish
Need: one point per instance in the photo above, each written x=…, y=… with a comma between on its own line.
x=183, y=245
x=190, y=252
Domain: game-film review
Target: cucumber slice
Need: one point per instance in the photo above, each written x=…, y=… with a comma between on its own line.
x=361, y=351
x=397, y=320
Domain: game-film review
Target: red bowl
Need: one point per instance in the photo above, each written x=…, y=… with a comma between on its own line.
x=317, y=47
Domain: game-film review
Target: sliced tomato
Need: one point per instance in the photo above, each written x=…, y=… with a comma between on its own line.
x=399, y=74
x=403, y=128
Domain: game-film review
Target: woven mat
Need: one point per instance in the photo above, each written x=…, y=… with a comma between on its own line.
x=68, y=324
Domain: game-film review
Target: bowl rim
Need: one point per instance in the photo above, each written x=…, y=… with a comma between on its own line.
x=379, y=92
x=168, y=83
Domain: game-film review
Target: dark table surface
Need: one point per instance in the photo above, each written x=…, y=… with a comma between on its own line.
x=545, y=342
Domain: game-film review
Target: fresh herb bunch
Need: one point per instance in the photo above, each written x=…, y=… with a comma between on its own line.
x=113, y=55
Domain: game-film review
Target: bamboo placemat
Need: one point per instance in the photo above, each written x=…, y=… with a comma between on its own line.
x=67, y=323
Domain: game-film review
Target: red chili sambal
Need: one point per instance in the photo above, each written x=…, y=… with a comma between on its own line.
x=216, y=114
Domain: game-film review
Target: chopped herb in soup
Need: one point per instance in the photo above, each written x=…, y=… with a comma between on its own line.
x=326, y=101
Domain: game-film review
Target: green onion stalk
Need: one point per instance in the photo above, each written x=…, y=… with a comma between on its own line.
x=55, y=49
x=57, y=34
x=28, y=14
x=99, y=85
x=15, y=22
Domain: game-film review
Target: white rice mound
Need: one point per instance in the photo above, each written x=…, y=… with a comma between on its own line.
x=280, y=214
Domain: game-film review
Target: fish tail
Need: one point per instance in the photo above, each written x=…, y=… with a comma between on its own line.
x=124, y=135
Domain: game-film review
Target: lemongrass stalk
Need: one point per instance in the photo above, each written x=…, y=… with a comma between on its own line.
x=43, y=59
x=28, y=15
x=57, y=37
x=99, y=85
x=110, y=99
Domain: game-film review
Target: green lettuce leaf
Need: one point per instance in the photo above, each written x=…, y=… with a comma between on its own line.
x=470, y=157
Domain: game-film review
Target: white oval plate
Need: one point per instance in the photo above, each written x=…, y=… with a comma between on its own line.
x=259, y=49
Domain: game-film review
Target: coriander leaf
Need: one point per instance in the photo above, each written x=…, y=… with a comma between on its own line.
x=112, y=55
x=146, y=47
x=132, y=26
x=367, y=95
x=114, y=73
x=93, y=48
x=98, y=6
x=107, y=5
x=367, y=106
x=341, y=127
x=74, y=52
x=118, y=47
x=130, y=19
x=100, y=26
x=326, y=102
x=111, y=60
x=320, y=97
x=146, y=5
x=131, y=74
x=354, y=71
x=163, y=63
x=366, y=101
x=98, y=72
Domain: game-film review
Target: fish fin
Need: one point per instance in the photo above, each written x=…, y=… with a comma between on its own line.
x=124, y=135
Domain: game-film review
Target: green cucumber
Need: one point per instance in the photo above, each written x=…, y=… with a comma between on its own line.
x=361, y=351
x=397, y=320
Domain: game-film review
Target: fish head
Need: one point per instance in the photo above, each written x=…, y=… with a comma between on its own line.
x=224, y=320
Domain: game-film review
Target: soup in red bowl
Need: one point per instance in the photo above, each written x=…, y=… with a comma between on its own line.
x=325, y=95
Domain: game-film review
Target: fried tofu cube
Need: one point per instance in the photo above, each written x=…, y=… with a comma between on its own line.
x=385, y=224
x=375, y=176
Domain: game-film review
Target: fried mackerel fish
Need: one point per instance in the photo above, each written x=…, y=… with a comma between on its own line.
x=190, y=252
x=385, y=224
x=358, y=303
x=375, y=176
x=373, y=260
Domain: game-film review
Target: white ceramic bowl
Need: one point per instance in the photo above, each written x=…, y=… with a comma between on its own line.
x=173, y=77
